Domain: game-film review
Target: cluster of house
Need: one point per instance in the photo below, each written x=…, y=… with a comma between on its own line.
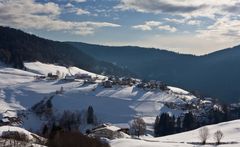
x=86, y=77
x=114, y=80
x=110, y=131
x=153, y=84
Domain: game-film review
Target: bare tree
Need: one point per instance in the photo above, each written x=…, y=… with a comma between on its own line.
x=203, y=134
x=218, y=135
x=138, y=126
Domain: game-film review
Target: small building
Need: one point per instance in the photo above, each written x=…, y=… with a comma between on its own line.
x=207, y=103
x=127, y=81
x=106, y=131
x=124, y=127
x=108, y=84
x=40, y=77
x=51, y=76
x=82, y=76
x=69, y=78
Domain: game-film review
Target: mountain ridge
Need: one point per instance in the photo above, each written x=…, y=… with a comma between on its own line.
x=213, y=74
x=17, y=46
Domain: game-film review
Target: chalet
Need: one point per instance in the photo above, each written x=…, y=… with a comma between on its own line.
x=141, y=85
x=207, y=103
x=124, y=127
x=90, y=81
x=106, y=131
x=108, y=84
x=69, y=78
x=40, y=77
x=51, y=76
x=82, y=76
x=127, y=81
x=115, y=80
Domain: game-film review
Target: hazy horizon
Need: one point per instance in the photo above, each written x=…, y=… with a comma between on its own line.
x=189, y=27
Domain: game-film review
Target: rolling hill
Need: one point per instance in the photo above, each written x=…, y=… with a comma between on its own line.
x=187, y=139
x=17, y=46
x=214, y=75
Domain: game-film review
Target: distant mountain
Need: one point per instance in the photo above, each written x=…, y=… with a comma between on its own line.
x=215, y=75
x=17, y=46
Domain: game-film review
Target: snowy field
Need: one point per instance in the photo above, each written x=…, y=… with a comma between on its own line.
x=231, y=131
x=20, y=91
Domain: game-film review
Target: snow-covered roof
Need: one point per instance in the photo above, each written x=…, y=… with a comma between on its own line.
x=178, y=90
x=122, y=125
x=206, y=102
x=108, y=127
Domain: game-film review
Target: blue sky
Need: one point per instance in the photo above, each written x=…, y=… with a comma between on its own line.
x=185, y=26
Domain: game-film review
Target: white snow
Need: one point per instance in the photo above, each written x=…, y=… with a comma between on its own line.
x=178, y=90
x=231, y=131
x=120, y=104
x=44, y=69
x=17, y=129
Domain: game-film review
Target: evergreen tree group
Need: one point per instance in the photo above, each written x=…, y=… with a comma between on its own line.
x=165, y=124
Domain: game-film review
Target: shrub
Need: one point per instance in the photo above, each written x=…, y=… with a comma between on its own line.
x=138, y=127
x=203, y=134
x=218, y=135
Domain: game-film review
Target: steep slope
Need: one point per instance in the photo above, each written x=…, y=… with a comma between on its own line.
x=214, y=75
x=17, y=46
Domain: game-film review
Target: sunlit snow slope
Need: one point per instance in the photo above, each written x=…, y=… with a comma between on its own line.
x=20, y=91
x=231, y=131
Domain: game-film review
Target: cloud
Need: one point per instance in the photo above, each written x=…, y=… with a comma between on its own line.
x=184, y=21
x=167, y=28
x=235, y=9
x=81, y=11
x=185, y=8
x=224, y=29
x=70, y=8
x=69, y=5
x=30, y=14
x=174, y=20
x=150, y=25
x=79, y=1
x=158, y=6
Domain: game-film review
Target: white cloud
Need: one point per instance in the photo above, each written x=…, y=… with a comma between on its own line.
x=183, y=21
x=81, y=12
x=70, y=8
x=150, y=25
x=79, y=1
x=174, y=20
x=69, y=5
x=30, y=14
x=167, y=28
x=224, y=29
x=142, y=27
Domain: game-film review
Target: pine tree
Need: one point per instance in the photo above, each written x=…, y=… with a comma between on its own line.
x=156, y=126
x=178, y=125
x=188, y=121
x=90, y=115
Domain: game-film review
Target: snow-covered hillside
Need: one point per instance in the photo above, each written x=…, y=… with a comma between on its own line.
x=31, y=139
x=44, y=69
x=19, y=91
x=231, y=131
